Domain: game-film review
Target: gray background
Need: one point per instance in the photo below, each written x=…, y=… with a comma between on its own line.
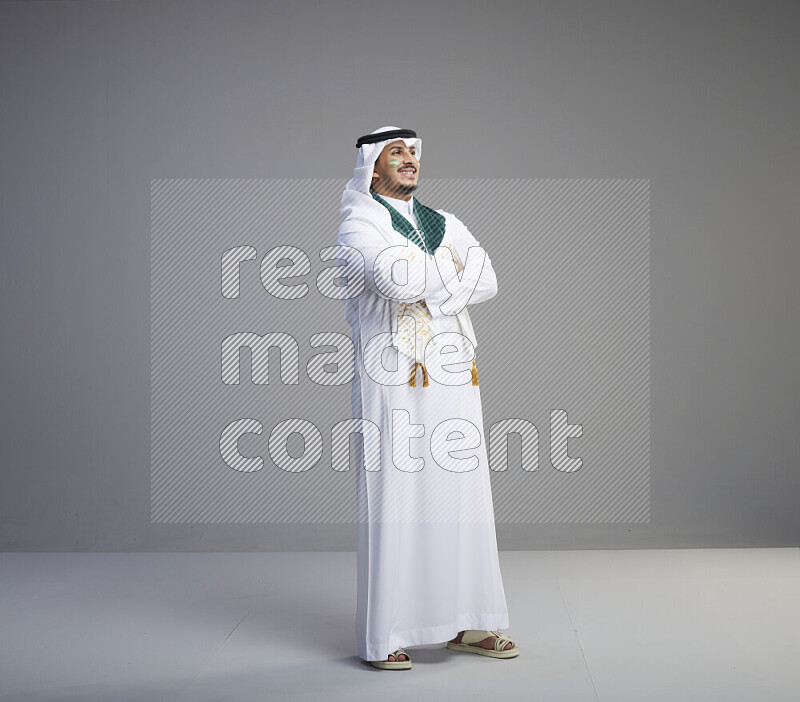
x=99, y=98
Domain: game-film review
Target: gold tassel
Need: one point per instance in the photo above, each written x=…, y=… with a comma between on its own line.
x=413, y=381
x=474, y=373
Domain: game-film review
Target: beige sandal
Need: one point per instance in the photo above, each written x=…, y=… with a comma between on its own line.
x=395, y=664
x=473, y=636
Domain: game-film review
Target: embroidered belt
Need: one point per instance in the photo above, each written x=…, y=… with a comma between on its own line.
x=413, y=381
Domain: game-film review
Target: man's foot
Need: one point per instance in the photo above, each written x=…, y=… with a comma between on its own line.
x=488, y=642
x=396, y=660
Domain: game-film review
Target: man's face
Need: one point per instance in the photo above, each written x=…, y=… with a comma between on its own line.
x=396, y=172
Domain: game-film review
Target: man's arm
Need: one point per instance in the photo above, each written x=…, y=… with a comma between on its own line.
x=366, y=253
x=478, y=281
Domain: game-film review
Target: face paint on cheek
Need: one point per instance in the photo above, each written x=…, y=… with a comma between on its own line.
x=393, y=163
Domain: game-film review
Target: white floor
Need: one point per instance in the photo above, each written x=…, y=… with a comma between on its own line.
x=644, y=625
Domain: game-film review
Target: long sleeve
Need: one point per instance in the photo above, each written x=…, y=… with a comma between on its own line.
x=365, y=252
x=441, y=280
x=478, y=281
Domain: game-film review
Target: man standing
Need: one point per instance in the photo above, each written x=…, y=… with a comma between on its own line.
x=428, y=568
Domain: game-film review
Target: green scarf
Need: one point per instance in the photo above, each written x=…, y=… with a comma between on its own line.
x=431, y=223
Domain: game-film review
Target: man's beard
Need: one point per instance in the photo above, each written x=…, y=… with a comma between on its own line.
x=401, y=189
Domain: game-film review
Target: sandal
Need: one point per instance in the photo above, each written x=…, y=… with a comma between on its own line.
x=395, y=664
x=473, y=636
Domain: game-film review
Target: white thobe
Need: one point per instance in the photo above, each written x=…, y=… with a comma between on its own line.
x=427, y=561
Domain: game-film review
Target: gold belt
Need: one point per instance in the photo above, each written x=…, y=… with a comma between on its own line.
x=413, y=381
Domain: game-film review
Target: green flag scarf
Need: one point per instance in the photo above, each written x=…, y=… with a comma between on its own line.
x=431, y=223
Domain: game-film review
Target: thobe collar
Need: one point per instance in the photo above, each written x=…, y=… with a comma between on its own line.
x=404, y=207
